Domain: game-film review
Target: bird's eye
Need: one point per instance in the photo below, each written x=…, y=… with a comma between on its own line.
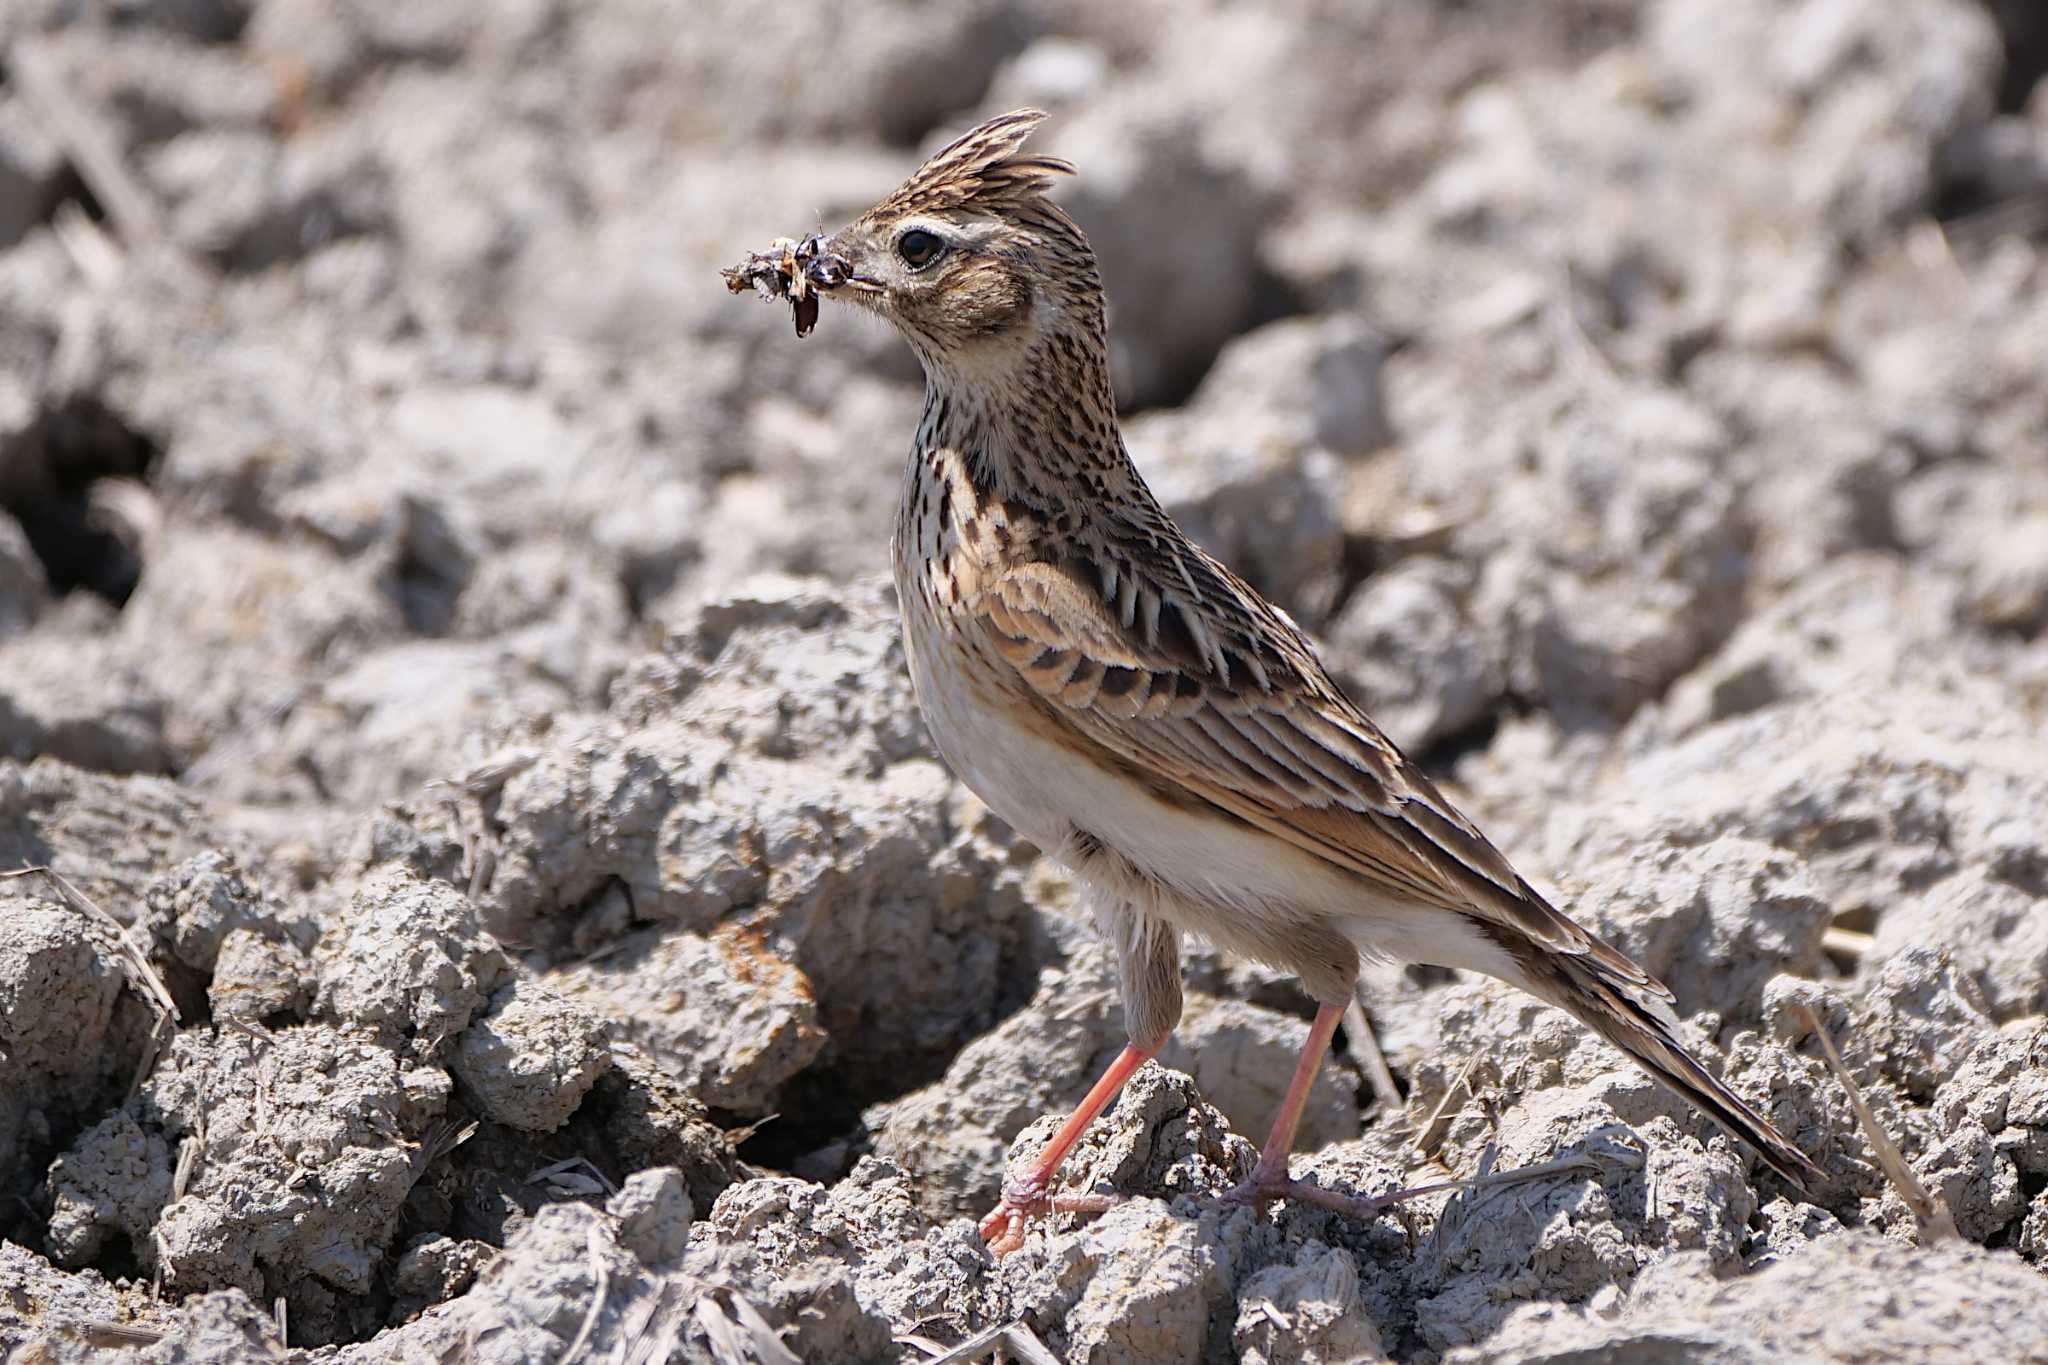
x=919, y=248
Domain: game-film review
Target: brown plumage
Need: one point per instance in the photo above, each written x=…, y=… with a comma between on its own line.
x=1134, y=707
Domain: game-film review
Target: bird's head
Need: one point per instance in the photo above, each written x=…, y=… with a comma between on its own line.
x=968, y=258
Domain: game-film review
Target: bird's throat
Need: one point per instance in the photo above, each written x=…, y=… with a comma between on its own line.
x=1041, y=428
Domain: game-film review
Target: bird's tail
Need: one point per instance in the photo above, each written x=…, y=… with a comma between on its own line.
x=1609, y=994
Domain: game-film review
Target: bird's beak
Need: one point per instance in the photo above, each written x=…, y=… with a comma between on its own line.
x=830, y=268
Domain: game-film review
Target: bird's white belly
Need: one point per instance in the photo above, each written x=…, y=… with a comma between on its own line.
x=1047, y=791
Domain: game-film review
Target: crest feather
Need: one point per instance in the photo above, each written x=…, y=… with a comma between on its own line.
x=980, y=169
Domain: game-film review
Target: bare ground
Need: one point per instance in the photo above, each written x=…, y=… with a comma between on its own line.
x=507, y=907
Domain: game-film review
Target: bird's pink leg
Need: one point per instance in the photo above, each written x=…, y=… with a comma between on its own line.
x=1025, y=1198
x=1268, y=1179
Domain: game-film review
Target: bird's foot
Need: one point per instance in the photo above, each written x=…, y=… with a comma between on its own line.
x=1003, y=1229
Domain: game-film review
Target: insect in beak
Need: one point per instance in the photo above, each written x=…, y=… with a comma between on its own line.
x=793, y=270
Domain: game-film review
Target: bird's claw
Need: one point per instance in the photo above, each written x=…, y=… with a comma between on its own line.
x=1002, y=1229
x=1253, y=1193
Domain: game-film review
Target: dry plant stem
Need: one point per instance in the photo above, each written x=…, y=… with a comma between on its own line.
x=91, y=249
x=1366, y=1045
x=602, y=1279
x=1439, y=1120
x=88, y=143
x=1850, y=943
x=767, y=1339
x=1367, y=1208
x=744, y=1337
x=136, y=967
x=652, y=1328
x=188, y=1164
x=141, y=974
x=567, y=1164
x=119, y=1335
x=1021, y=1342
x=1929, y=1209
x=2021, y=216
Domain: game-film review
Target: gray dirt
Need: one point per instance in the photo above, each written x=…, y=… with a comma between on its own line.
x=510, y=908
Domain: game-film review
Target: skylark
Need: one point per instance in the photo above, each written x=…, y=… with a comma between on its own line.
x=1135, y=708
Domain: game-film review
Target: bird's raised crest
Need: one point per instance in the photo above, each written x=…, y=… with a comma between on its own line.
x=980, y=169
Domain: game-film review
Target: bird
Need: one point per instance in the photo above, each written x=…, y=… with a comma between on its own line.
x=1138, y=711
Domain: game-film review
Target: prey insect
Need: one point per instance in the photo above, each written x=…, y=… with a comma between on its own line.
x=793, y=270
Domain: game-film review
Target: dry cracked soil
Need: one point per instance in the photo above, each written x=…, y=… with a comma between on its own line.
x=502, y=902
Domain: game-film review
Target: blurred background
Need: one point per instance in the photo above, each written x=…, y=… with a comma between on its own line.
x=1645, y=404
x=1520, y=351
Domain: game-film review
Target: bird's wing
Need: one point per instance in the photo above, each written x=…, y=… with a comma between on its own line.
x=1171, y=663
